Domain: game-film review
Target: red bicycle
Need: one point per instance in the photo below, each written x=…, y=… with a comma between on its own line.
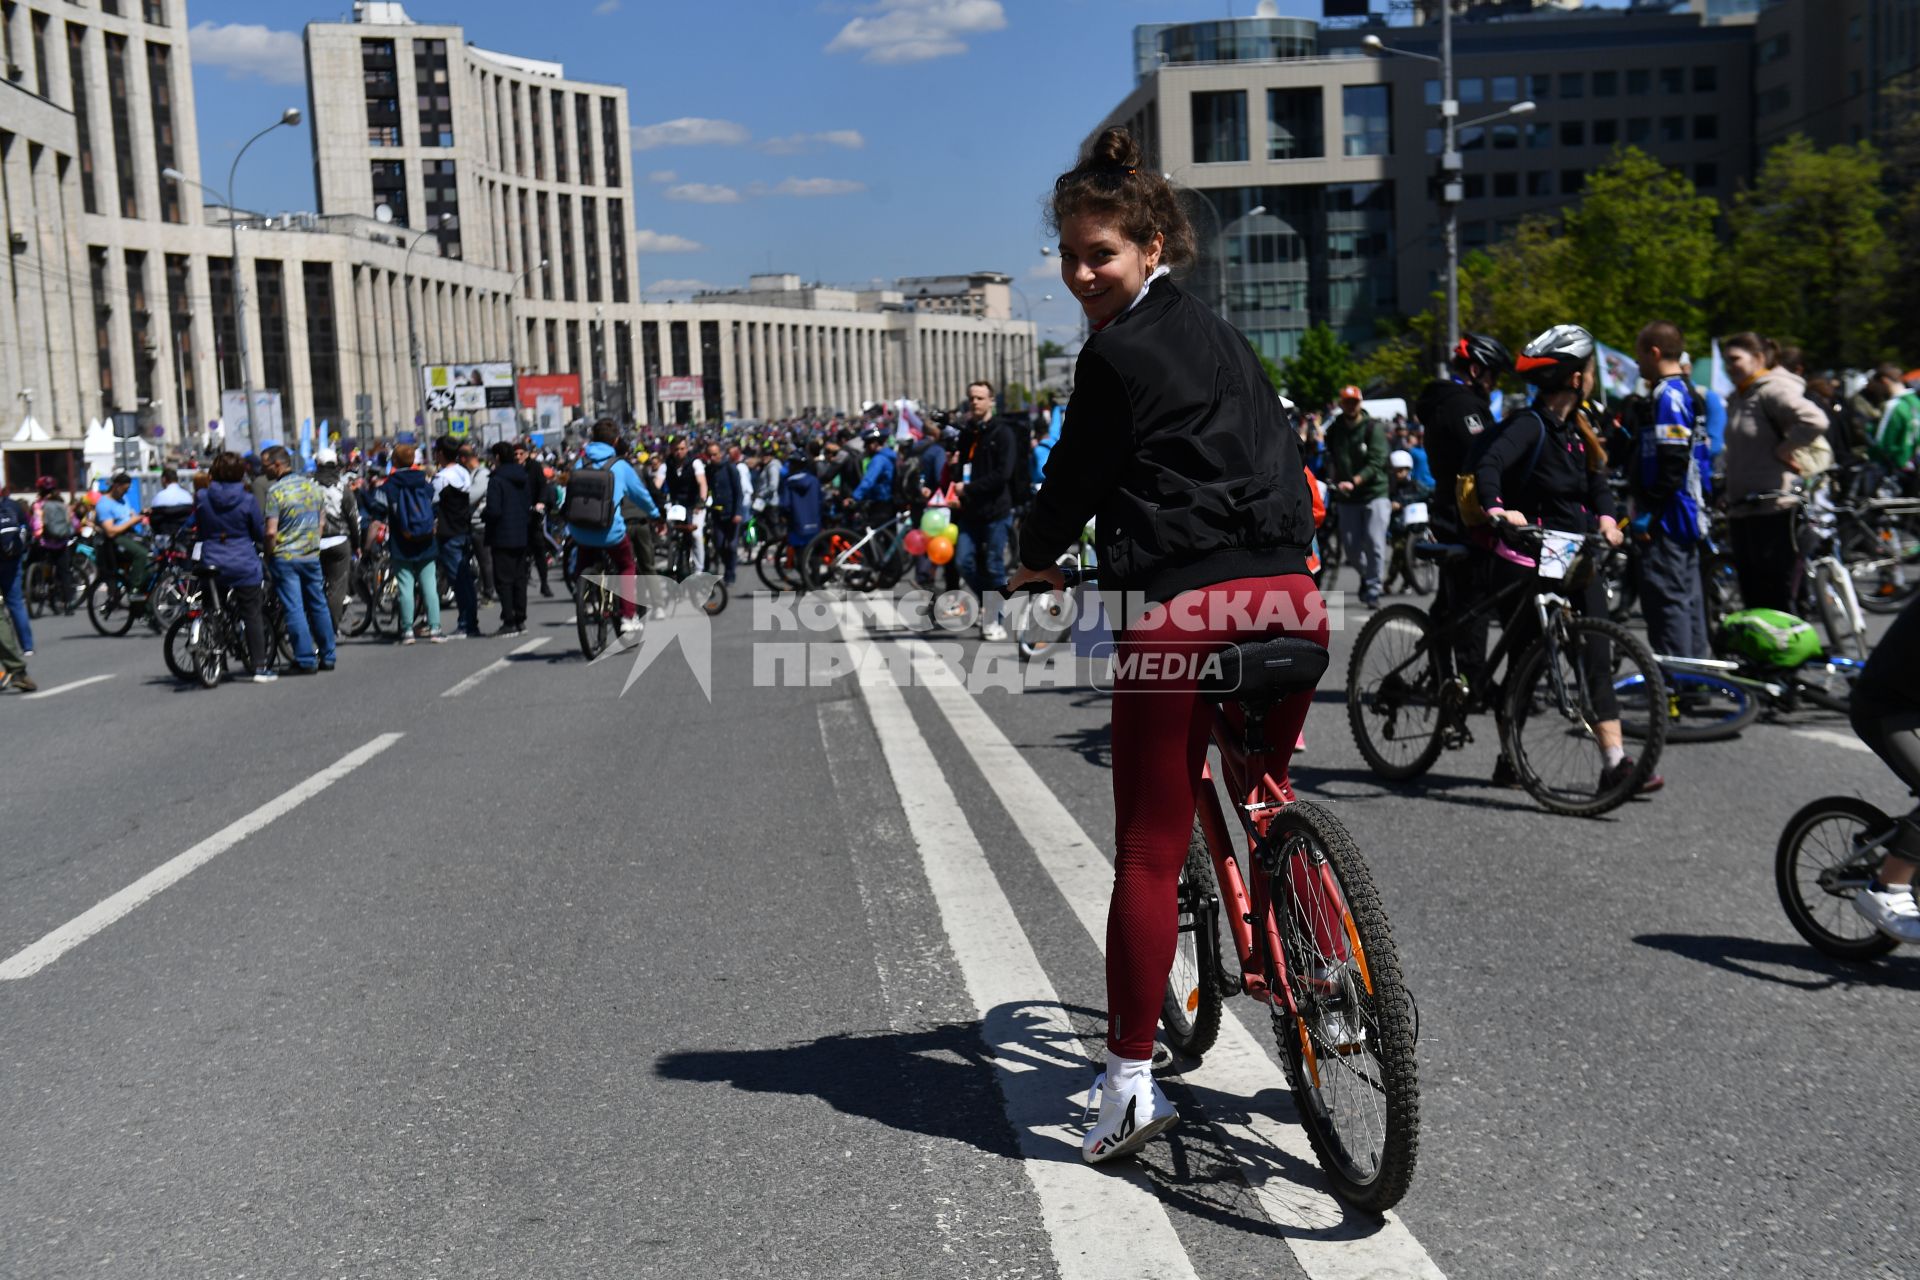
x=1309, y=933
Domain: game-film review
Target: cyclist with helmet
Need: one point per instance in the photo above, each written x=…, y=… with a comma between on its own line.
x=874, y=493
x=1203, y=523
x=1545, y=468
x=1457, y=411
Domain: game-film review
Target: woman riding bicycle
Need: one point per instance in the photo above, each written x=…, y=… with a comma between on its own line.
x=1176, y=441
x=1885, y=711
x=228, y=524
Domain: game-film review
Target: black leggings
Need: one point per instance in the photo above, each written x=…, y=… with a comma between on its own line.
x=1590, y=601
x=1886, y=715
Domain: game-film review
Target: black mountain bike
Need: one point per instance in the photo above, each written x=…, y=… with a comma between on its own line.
x=1406, y=704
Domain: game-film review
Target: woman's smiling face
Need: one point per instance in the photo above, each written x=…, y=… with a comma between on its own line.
x=1102, y=267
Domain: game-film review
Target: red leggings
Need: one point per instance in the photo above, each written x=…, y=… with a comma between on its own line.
x=1161, y=729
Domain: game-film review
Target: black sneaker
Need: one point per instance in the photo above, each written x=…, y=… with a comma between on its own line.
x=1503, y=772
x=326, y=666
x=1615, y=776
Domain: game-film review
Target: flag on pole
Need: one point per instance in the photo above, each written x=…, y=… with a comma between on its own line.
x=1717, y=379
x=1619, y=373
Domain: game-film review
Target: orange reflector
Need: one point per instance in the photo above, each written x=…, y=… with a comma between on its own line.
x=1193, y=999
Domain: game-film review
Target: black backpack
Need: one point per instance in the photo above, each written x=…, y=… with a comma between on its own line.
x=590, y=500
x=906, y=480
x=13, y=530
x=1020, y=483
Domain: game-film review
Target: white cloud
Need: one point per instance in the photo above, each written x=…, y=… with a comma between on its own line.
x=1045, y=269
x=681, y=288
x=795, y=143
x=606, y=7
x=703, y=193
x=661, y=242
x=663, y=176
x=689, y=131
x=899, y=31
x=248, y=49
x=813, y=187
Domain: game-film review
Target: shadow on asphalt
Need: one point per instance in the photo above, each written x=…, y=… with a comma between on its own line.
x=1813, y=971
x=1478, y=793
x=940, y=1082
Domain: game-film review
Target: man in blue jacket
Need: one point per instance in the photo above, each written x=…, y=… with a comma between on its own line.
x=729, y=506
x=875, y=490
x=613, y=539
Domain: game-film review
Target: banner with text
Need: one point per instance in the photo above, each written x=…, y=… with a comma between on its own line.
x=464, y=388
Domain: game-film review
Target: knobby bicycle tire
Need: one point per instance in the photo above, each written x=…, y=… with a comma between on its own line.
x=1191, y=1009
x=1736, y=705
x=1631, y=658
x=176, y=649
x=1418, y=686
x=1371, y=987
x=108, y=610
x=590, y=607
x=1866, y=942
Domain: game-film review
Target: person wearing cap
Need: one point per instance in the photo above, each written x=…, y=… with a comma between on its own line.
x=1357, y=471
x=118, y=521
x=339, y=530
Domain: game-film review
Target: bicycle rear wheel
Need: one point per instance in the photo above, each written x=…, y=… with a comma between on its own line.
x=39, y=587
x=1818, y=868
x=717, y=597
x=178, y=647
x=1698, y=707
x=1190, y=1012
x=108, y=610
x=1393, y=693
x=1549, y=729
x=1350, y=1051
x=831, y=560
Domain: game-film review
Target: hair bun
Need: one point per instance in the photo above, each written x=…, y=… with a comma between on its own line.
x=1115, y=148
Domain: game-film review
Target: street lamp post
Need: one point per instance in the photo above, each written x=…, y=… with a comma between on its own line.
x=289, y=117
x=1451, y=188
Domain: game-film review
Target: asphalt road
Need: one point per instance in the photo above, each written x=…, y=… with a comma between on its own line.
x=805, y=980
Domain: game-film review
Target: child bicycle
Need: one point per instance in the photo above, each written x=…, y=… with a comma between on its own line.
x=1406, y=704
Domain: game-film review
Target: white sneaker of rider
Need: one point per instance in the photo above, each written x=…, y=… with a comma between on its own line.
x=1892, y=911
x=1132, y=1111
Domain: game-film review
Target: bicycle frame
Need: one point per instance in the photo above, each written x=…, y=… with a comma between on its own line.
x=874, y=532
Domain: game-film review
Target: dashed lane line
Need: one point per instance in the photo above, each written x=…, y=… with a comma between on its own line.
x=1833, y=739
x=499, y=664
x=31, y=959
x=1101, y=1223
x=1331, y=1243
x=67, y=687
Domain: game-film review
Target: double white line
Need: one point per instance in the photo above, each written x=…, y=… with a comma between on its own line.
x=1328, y=1242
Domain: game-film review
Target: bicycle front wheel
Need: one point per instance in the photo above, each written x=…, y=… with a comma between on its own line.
x=1350, y=1045
x=1393, y=693
x=1818, y=868
x=831, y=560
x=178, y=646
x=1698, y=707
x=40, y=587
x=1552, y=717
x=590, y=610
x=108, y=610
x=1190, y=1012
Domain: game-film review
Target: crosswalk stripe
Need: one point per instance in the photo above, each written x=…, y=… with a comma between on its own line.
x=1101, y=1223
x=1341, y=1247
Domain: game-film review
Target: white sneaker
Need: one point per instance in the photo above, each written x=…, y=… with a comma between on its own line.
x=1129, y=1116
x=993, y=631
x=1892, y=911
x=629, y=627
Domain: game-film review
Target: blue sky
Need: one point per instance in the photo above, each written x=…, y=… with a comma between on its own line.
x=839, y=139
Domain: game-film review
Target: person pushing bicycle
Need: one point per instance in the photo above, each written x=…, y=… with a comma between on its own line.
x=1175, y=440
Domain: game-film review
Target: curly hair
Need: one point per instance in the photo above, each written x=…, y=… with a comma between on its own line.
x=1111, y=181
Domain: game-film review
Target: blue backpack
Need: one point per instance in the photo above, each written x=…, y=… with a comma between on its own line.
x=412, y=508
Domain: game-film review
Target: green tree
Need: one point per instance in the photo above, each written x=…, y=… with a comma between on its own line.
x=1314, y=375
x=1807, y=261
x=1642, y=247
x=1049, y=350
x=1902, y=101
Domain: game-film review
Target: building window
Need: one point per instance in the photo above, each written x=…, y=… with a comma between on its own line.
x=617, y=247
x=1639, y=82
x=710, y=366
x=118, y=93
x=1639, y=129
x=568, y=289
x=1475, y=185
x=583, y=136
x=650, y=365
x=623, y=362
x=1539, y=86
x=1573, y=133
x=155, y=12
x=1506, y=185
x=440, y=188
x=1573, y=84
x=433, y=93
x=546, y=246
x=1706, y=79
x=1706, y=174
x=160, y=92
x=1220, y=127
x=1366, y=120
x=102, y=324
x=180, y=325
x=41, y=78
x=1673, y=79
x=1571, y=180
x=557, y=109
x=1505, y=88
x=610, y=141
x=390, y=188
x=534, y=131
x=519, y=137
x=1436, y=141
x=1506, y=137
x=590, y=244
x=1706, y=128
x=1539, y=183
x=1539, y=135
x=225, y=343
x=382, y=91
x=323, y=347
x=1472, y=89
x=1606, y=132
x=140, y=323
x=83, y=133
x=270, y=290
x=1294, y=124
x=1430, y=93
x=1673, y=128
x=1606, y=84
x=1472, y=138
x=1773, y=101
x=1772, y=49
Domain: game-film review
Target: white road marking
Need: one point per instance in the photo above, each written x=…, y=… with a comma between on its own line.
x=1833, y=739
x=1335, y=1245
x=1101, y=1223
x=498, y=664
x=63, y=688
x=31, y=959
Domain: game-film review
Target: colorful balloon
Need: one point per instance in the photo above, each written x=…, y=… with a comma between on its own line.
x=936, y=519
x=940, y=550
x=916, y=542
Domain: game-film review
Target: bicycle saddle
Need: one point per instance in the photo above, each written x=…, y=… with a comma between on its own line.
x=1262, y=669
x=1440, y=550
